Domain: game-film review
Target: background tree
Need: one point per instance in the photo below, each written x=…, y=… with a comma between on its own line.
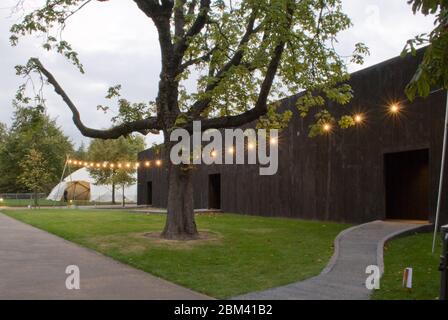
x=32, y=128
x=3, y=133
x=122, y=150
x=34, y=173
x=433, y=71
x=80, y=153
x=247, y=55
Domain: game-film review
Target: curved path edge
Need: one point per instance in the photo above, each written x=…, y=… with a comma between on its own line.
x=344, y=276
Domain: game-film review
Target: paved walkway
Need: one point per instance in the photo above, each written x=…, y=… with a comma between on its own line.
x=344, y=277
x=33, y=264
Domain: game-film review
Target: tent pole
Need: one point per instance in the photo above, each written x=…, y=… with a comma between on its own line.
x=62, y=177
x=442, y=167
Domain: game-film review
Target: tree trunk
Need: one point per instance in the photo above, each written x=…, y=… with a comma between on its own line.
x=123, y=199
x=113, y=193
x=180, y=223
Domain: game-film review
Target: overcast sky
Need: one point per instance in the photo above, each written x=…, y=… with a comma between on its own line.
x=117, y=44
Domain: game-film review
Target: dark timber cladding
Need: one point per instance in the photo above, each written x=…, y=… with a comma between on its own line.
x=386, y=168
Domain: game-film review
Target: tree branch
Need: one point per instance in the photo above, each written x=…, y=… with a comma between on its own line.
x=204, y=58
x=143, y=126
x=149, y=7
x=201, y=105
x=260, y=108
x=179, y=19
x=196, y=27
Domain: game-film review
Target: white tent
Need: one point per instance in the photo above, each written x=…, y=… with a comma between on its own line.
x=98, y=193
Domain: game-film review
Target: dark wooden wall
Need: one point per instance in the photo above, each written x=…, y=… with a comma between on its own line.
x=337, y=177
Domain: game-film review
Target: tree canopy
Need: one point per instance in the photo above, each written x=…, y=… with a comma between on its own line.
x=32, y=129
x=248, y=54
x=433, y=71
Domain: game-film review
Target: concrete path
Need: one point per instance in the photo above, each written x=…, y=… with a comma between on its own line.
x=344, y=277
x=33, y=264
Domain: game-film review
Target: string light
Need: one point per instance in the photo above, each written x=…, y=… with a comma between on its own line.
x=394, y=108
x=326, y=127
x=359, y=118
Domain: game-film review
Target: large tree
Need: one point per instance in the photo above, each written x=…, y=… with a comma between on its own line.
x=122, y=150
x=246, y=55
x=32, y=128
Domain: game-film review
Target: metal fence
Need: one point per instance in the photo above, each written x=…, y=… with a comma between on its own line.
x=21, y=199
x=22, y=196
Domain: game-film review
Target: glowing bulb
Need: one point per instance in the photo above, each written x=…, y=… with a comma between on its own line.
x=137, y=165
x=69, y=161
x=231, y=150
x=213, y=154
x=158, y=162
x=147, y=164
x=394, y=108
x=104, y=165
x=250, y=146
x=112, y=165
x=98, y=165
x=92, y=164
x=86, y=164
x=359, y=118
x=119, y=165
x=128, y=165
x=327, y=127
x=273, y=141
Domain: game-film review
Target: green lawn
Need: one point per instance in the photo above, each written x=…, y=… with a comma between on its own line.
x=412, y=251
x=246, y=253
